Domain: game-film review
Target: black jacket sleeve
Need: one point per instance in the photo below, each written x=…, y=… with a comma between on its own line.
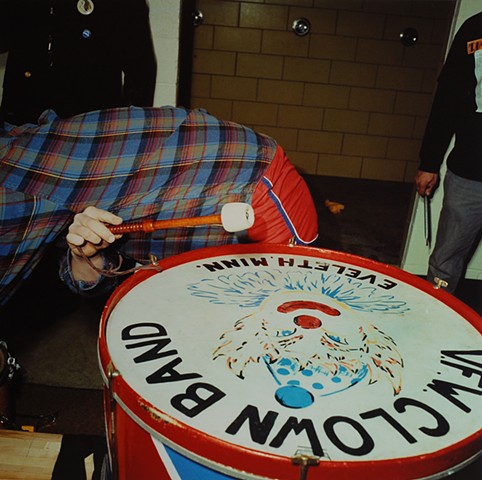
x=452, y=102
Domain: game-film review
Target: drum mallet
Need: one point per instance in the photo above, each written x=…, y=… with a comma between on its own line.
x=234, y=217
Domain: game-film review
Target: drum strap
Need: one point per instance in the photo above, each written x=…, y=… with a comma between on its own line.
x=109, y=270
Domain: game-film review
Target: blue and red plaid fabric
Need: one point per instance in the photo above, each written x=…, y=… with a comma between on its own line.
x=156, y=163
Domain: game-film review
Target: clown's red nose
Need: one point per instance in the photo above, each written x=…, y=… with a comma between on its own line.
x=307, y=321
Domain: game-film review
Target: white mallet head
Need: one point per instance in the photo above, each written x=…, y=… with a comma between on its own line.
x=237, y=216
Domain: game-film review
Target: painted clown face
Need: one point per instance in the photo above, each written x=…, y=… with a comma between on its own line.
x=313, y=345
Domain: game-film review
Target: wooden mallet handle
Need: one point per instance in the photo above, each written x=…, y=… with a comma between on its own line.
x=234, y=217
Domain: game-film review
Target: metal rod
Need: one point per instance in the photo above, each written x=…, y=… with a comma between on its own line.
x=427, y=221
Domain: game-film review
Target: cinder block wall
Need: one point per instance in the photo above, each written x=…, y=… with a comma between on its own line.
x=346, y=100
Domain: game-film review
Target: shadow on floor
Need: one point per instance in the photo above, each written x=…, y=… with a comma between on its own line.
x=373, y=223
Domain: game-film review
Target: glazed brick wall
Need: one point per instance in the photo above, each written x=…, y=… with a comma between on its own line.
x=346, y=100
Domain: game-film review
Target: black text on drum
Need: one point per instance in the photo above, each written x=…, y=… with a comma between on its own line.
x=274, y=429
x=267, y=429
x=303, y=264
x=197, y=396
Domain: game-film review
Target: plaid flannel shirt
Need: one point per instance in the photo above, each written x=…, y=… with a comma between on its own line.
x=156, y=163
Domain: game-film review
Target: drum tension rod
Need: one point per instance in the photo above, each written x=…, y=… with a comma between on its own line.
x=305, y=461
x=112, y=373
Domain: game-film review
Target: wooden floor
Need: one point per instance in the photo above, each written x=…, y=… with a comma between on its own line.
x=30, y=456
x=25, y=455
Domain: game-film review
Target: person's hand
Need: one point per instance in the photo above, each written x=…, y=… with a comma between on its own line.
x=426, y=183
x=89, y=231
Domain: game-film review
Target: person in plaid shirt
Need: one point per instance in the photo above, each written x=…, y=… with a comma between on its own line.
x=136, y=163
x=132, y=164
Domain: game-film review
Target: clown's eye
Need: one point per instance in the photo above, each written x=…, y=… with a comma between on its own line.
x=285, y=333
x=337, y=339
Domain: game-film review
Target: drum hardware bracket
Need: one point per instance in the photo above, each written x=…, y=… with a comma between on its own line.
x=10, y=366
x=153, y=260
x=439, y=283
x=305, y=461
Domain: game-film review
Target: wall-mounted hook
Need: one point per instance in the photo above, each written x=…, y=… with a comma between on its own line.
x=409, y=37
x=301, y=26
x=197, y=18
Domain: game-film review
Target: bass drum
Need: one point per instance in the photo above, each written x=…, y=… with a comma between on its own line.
x=279, y=362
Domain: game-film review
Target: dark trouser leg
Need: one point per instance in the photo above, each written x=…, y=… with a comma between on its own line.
x=74, y=450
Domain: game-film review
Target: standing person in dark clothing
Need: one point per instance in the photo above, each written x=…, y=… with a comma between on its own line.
x=75, y=56
x=456, y=110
